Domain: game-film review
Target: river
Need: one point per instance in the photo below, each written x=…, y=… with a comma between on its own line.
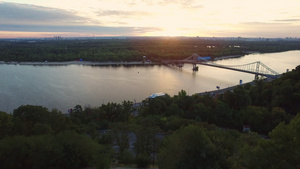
x=63, y=87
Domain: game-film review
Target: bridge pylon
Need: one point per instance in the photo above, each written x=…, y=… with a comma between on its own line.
x=195, y=67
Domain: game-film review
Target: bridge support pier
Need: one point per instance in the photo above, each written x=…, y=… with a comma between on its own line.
x=256, y=77
x=195, y=67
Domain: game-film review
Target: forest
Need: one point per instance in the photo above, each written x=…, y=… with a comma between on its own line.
x=133, y=48
x=171, y=132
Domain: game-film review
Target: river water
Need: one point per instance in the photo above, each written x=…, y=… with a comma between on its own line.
x=63, y=87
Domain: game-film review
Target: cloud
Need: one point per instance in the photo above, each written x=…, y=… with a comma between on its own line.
x=13, y=13
x=181, y=2
x=265, y=29
x=30, y=18
x=287, y=20
x=122, y=13
x=166, y=3
x=80, y=29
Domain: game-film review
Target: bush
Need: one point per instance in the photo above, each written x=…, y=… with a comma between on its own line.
x=127, y=157
x=142, y=161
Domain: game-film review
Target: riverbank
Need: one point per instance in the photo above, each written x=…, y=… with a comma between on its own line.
x=84, y=63
x=236, y=56
x=231, y=88
x=90, y=63
x=228, y=57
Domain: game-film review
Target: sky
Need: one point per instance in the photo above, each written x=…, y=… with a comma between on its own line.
x=203, y=18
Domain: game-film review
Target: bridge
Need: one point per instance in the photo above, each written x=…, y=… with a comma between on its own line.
x=256, y=68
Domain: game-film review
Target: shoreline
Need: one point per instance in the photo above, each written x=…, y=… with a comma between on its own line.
x=84, y=63
x=91, y=63
x=228, y=57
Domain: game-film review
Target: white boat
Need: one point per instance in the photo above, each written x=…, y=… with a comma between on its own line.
x=152, y=96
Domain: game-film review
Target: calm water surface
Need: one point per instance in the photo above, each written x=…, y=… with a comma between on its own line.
x=63, y=87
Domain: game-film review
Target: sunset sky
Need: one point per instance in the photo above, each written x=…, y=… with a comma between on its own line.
x=204, y=18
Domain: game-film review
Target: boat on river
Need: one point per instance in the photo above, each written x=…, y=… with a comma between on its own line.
x=152, y=96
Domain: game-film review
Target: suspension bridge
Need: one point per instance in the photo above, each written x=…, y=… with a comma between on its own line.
x=256, y=68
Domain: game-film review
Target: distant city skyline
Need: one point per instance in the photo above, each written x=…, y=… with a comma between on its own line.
x=203, y=18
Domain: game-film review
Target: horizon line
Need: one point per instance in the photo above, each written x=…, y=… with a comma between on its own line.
x=59, y=37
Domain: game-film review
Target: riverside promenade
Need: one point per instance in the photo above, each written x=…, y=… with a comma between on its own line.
x=221, y=91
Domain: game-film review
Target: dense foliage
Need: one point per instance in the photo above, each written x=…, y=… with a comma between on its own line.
x=188, y=147
x=133, y=49
x=199, y=131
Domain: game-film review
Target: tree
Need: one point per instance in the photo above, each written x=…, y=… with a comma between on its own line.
x=284, y=144
x=188, y=148
x=34, y=120
x=280, y=151
x=174, y=110
x=121, y=138
x=254, y=116
x=242, y=98
x=154, y=106
x=203, y=112
x=244, y=155
x=65, y=150
x=223, y=114
x=182, y=94
x=146, y=145
x=73, y=150
x=225, y=142
x=6, y=124
x=26, y=117
x=59, y=122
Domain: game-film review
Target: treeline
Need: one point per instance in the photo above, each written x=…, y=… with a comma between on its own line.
x=169, y=132
x=133, y=49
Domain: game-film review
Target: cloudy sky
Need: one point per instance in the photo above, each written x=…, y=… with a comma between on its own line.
x=204, y=18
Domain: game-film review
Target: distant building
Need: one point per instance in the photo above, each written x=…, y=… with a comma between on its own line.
x=57, y=37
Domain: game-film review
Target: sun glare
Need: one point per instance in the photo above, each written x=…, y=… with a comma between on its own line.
x=170, y=32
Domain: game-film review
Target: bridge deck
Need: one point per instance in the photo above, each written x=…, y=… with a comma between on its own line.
x=218, y=66
x=235, y=69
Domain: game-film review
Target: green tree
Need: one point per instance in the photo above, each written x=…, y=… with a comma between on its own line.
x=121, y=138
x=280, y=151
x=244, y=155
x=242, y=98
x=13, y=152
x=188, y=148
x=6, y=124
x=146, y=145
x=284, y=145
x=174, y=123
x=65, y=150
x=59, y=122
x=26, y=117
x=223, y=114
x=155, y=106
x=173, y=110
x=182, y=94
x=226, y=143
x=34, y=120
x=255, y=116
x=203, y=113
